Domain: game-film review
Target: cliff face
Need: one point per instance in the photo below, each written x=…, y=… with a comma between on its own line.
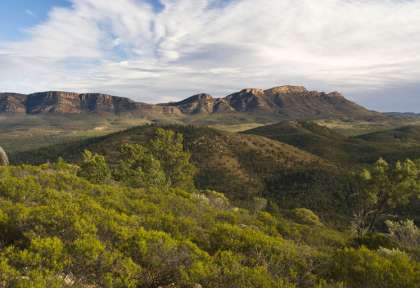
x=285, y=101
x=53, y=102
x=74, y=103
x=12, y=103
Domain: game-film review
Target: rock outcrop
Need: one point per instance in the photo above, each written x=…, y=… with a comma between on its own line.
x=4, y=161
x=12, y=103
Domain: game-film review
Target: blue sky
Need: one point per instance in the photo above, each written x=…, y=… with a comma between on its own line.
x=18, y=15
x=167, y=50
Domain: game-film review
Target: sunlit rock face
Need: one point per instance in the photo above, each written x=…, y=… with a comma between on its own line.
x=4, y=161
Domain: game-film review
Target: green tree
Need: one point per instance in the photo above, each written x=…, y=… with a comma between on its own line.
x=378, y=190
x=168, y=148
x=161, y=163
x=139, y=168
x=94, y=168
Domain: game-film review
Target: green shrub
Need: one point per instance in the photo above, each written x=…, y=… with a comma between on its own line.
x=366, y=268
x=373, y=241
x=305, y=216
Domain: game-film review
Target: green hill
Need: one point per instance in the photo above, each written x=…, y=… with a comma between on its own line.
x=316, y=139
x=60, y=230
x=394, y=144
x=236, y=164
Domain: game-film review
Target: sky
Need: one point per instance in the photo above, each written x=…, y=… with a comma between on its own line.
x=158, y=51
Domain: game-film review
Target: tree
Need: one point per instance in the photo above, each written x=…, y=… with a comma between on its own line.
x=378, y=190
x=168, y=148
x=94, y=168
x=139, y=168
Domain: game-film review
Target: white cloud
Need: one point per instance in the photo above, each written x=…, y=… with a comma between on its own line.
x=29, y=12
x=128, y=48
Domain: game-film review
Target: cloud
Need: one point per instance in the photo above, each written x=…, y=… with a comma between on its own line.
x=129, y=48
x=29, y=12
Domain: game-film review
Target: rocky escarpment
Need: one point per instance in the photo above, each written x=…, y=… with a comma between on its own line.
x=291, y=102
x=74, y=103
x=283, y=102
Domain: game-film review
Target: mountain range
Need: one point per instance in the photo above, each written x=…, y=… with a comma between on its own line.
x=283, y=102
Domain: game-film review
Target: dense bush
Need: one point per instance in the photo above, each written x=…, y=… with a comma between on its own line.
x=142, y=223
x=365, y=268
x=57, y=228
x=305, y=216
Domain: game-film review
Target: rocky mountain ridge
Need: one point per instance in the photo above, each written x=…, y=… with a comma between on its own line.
x=284, y=101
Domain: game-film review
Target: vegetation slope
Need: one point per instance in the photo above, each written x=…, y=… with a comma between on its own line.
x=136, y=220
x=394, y=144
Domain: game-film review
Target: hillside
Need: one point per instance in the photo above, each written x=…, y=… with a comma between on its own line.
x=61, y=230
x=232, y=163
x=84, y=225
x=393, y=144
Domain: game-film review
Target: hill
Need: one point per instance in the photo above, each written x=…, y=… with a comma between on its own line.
x=392, y=144
x=228, y=162
x=59, y=230
x=318, y=140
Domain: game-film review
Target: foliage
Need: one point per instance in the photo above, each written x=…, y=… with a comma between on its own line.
x=306, y=216
x=374, y=241
x=133, y=217
x=168, y=148
x=57, y=228
x=404, y=232
x=139, y=168
x=380, y=189
x=94, y=168
x=162, y=163
x=366, y=268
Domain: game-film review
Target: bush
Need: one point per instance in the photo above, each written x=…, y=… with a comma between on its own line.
x=305, y=216
x=373, y=241
x=369, y=269
x=405, y=232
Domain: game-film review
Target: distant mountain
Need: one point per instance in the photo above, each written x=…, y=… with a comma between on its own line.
x=73, y=103
x=403, y=114
x=284, y=102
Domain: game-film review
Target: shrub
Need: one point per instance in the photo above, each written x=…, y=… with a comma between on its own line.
x=373, y=241
x=369, y=269
x=305, y=216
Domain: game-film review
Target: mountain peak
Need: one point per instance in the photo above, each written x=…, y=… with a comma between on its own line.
x=253, y=91
x=198, y=97
x=197, y=103
x=286, y=89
